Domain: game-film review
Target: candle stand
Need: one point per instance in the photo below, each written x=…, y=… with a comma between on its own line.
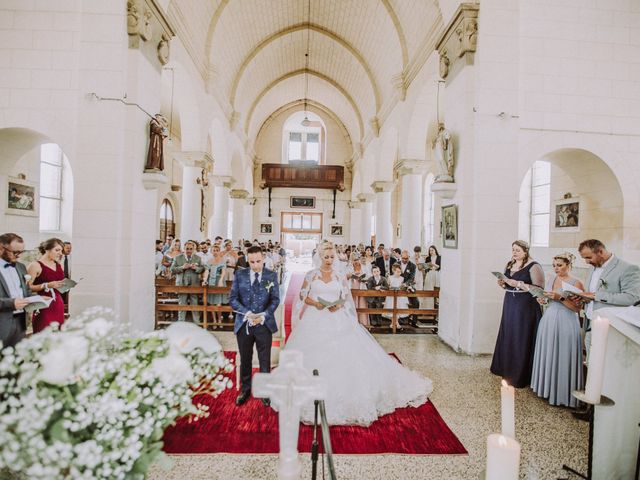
x=603, y=402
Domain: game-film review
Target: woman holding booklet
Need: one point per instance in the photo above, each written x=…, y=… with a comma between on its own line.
x=557, y=361
x=47, y=276
x=513, y=355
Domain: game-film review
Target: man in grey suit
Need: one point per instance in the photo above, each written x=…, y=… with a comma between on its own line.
x=376, y=282
x=612, y=282
x=13, y=290
x=187, y=267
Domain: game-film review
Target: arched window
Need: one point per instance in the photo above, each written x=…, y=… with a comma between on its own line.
x=534, y=204
x=167, y=223
x=304, y=142
x=52, y=161
x=429, y=210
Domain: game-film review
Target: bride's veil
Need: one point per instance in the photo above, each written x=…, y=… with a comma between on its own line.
x=339, y=273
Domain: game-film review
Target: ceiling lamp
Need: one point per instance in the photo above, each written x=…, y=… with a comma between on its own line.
x=306, y=122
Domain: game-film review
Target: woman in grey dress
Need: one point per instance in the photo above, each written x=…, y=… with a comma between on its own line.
x=557, y=360
x=215, y=277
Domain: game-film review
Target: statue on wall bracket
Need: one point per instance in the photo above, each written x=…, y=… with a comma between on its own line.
x=442, y=148
x=158, y=131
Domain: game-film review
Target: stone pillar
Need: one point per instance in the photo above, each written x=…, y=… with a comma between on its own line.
x=194, y=178
x=355, y=226
x=248, y=218
x=220, y=220
x=410, y=172
x=384, y=229
x=366, y=209
x=238, y=204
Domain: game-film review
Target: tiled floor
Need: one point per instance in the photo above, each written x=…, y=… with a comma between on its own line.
x=468, y=398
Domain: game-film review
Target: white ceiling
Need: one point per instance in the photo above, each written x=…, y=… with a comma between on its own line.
x=254, y=50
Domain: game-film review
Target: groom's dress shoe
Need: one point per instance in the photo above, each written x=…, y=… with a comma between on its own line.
x=266, y=402
x=242, y=398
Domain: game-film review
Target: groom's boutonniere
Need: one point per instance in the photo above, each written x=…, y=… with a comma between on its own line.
x=268, y=286
x=603, y=283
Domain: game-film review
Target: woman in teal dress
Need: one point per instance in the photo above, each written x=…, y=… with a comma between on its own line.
x=216, y=269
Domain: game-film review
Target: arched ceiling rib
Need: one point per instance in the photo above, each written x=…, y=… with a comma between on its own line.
x=314, y=28
x=290, y=87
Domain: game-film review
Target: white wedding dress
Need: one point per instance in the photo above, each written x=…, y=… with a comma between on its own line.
x=364, y=382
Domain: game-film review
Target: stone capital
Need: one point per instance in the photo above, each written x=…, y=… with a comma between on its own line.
x=238, y=193
x=410, y=167
x=351, y=204
x=251, y=201
x=147, y=21
x=194, y=159
x=383, y=186
x=223, y=181
x=459, y=39
x=366, y=197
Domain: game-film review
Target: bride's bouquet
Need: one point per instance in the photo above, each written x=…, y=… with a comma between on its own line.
x=91, y=401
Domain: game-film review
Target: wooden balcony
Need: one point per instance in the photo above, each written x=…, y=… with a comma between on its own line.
x=276, y=175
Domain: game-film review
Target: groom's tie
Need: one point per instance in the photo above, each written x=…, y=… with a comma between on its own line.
x=255, y=283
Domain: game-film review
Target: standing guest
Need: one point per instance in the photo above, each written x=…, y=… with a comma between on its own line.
x=231, y=257
x=203, y=253
x=420, y=269
x=385, y=262
x=187, y=268
x=268, y=259
x=214, y=277
x=380, y=252
x=169, y=255
x=66, y=266
x=368, y=255
x=396, y=281
x=557, y=361
x=376, y=282
x=513, y=355
x=409, y=274
x=358, y=277
x=432, y=278
x=159, y=257
x=167, y=244
x=46, y=277
x=396, y=253
x=13, y=290
x=242, y=261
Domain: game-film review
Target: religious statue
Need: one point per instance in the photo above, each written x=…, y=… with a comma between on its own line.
x=163, y=49
x=443, y=154
x=158, y=131
x=133, y=18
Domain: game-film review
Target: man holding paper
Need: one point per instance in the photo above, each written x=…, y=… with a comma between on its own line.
x=254, y=296
x=13, y=290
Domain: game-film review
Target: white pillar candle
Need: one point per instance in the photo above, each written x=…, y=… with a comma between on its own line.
x=595, y=373
x=503, y=458
x=507, y=396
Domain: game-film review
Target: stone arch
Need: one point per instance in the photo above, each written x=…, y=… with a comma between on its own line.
x=388, y=154
x=218, y=141
x=177, y=83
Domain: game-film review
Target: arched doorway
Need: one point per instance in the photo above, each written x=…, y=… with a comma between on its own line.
x=167, y=220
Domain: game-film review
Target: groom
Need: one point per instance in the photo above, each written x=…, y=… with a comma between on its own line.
x=255, y=295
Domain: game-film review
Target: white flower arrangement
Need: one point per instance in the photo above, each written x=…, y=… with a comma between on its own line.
x=91, y=401
x=268, y=286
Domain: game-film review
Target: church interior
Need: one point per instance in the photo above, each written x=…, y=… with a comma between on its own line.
x=465, y=126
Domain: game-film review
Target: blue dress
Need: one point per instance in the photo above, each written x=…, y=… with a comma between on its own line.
x=214, y=280
x=513, y=355
x=557, y=362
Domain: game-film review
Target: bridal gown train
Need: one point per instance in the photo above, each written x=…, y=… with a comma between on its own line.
x=364, y=382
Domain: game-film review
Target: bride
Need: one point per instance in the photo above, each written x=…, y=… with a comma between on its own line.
x=364, y=382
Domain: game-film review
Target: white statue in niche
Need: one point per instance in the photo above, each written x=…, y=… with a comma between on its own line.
x=442, y=147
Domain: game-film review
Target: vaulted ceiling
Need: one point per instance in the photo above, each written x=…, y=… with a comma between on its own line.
x=252, y=53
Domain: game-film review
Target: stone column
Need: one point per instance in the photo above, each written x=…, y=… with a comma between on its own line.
x=410, y=172
x=366, y=209
x=194, y=167
x=238, y=204
x=248, y=218
x=384, y=229
x=355, y=226
x=220, y=220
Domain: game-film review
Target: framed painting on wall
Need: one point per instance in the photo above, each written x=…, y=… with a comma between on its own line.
x=566, y=215
x=450, y=226
x=22, y=197
x=266, y=228
x=302, y=202
x=337, y=230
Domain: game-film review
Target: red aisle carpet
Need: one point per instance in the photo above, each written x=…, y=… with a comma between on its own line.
x=253, y=428
x=297, y=278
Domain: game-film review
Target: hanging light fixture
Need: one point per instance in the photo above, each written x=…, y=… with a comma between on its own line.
x=306, y=122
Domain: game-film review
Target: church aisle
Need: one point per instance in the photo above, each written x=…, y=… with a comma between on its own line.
x=468, y=398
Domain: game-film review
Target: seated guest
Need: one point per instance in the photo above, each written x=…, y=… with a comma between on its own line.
x=557, y=359
x=396, y=282
x=187, y=268
x=13, y=290
x=46, y=277
x=376, y=282
x=214, y=277
x=357, y=276
x=385, y=262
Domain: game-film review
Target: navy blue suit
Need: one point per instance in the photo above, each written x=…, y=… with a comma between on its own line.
x=245, y=297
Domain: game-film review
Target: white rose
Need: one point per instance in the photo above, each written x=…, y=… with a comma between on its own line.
x=27, y=277
x=172, y=369
x=185, y=336
x=98, y=327
x=60, y=362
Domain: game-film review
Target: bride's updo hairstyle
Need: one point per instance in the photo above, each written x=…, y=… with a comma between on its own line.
x=326, y=245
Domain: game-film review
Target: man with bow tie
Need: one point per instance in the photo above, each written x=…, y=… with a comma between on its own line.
x=187, y=268
x=13, y=290
x=254, y=296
